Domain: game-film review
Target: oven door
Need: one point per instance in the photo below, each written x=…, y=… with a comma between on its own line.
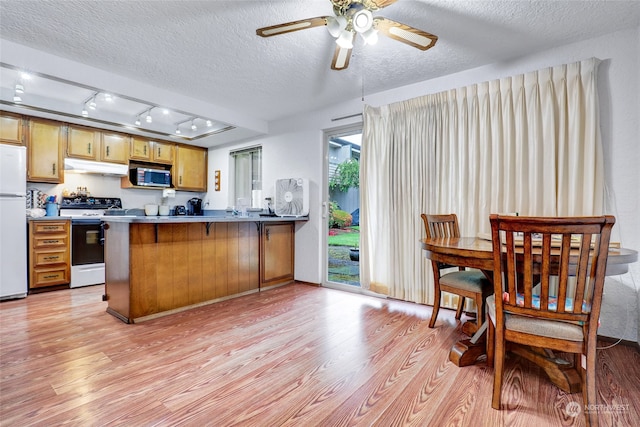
x=87, y=252
x=86, y=242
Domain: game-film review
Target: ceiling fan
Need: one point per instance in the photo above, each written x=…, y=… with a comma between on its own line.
x=354, y=17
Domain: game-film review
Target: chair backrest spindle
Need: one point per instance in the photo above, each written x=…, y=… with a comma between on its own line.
x=540, y=252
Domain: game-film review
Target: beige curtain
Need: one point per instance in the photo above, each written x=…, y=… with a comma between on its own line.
x=528, y=144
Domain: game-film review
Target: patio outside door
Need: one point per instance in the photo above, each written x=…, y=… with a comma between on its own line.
x=342, y=208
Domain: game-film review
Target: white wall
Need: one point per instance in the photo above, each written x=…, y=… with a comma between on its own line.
x=619, y=88
x=291, y=155
x=108, y=186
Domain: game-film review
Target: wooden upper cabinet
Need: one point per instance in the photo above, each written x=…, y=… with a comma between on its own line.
x=83, y=143
x=151, y=151
x=190, y=169
x=93, y=144
x=162, y=152
x=45, y=144
x=11, y=128
x=114, y=147
x=140, y=149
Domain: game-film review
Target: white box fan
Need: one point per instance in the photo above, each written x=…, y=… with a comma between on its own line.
x=292, y=197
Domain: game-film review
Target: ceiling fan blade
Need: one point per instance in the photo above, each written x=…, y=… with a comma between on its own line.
x=377, y=4
x=405, y=34
x=341, y=57
x=289, y=27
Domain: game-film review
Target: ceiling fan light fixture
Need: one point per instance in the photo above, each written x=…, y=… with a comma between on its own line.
x=19, y=88
x=370, y=36
x=336, y=25
x=362, y=20
x=85, y=113
x=345, y=40
x=16, y=98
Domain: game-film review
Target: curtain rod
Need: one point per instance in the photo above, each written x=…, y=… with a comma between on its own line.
x=346, y=117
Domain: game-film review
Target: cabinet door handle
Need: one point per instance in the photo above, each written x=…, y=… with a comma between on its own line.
x=53, y=168
x=159, y=151
x=144, y=150
x=180, y=179
x=266, y=232
x=89, y=148
x=107, y=151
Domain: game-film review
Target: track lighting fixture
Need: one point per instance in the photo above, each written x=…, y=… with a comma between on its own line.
x=102, y=106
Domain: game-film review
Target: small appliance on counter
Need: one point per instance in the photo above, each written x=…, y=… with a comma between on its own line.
x=194, y=206
x=179, y=210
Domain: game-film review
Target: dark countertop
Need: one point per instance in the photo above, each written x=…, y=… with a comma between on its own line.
x=49, y=218
x=200, y=218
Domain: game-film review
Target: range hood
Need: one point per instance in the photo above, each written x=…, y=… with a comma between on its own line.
x=89, y=166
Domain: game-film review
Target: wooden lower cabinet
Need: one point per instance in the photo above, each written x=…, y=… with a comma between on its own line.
x=49, y=253
x=277, y=261
x=155, y=268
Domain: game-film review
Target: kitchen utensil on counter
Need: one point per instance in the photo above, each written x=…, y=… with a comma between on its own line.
x=179, y=210
x=151, y=210
x=51, y=209
x=194, y=206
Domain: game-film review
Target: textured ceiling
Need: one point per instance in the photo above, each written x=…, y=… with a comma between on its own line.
x=208, y=50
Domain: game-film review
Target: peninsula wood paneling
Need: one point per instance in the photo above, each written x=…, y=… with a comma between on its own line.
x=185, y=266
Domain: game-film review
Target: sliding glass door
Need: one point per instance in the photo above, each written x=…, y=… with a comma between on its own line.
x=342, y=207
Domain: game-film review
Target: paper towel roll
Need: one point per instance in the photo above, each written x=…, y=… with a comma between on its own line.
x=256, y=198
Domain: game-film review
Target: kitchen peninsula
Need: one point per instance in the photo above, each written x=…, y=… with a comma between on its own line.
x=160, y=265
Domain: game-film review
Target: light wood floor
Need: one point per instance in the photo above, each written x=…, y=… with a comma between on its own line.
x=296, y=355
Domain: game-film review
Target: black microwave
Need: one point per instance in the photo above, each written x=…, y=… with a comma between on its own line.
x=150, y=177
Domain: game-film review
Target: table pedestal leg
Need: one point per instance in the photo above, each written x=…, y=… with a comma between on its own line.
x=466, y=352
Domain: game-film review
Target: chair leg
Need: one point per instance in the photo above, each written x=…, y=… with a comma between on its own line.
x=491, y=338
x=479, y=300
x=460, y=307
x=498, y=368
x=589, y=396
x=436, y=307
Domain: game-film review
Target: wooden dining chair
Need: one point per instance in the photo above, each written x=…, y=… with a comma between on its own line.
x=464, y=283
x=565, y=258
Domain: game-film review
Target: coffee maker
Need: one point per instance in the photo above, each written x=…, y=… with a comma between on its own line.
x=194, y=206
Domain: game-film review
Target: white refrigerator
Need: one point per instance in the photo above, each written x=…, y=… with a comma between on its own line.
x=13, y=224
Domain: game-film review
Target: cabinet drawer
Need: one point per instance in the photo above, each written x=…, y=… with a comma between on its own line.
x=44, y=241
x=44, y=258
x=50, y=227
x=50, y=276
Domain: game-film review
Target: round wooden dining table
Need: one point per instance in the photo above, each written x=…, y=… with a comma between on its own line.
x=476, y=252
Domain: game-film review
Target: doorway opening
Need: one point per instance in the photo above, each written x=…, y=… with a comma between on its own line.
x=343, y=207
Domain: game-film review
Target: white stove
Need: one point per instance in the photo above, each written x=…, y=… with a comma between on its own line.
x=87, y=237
